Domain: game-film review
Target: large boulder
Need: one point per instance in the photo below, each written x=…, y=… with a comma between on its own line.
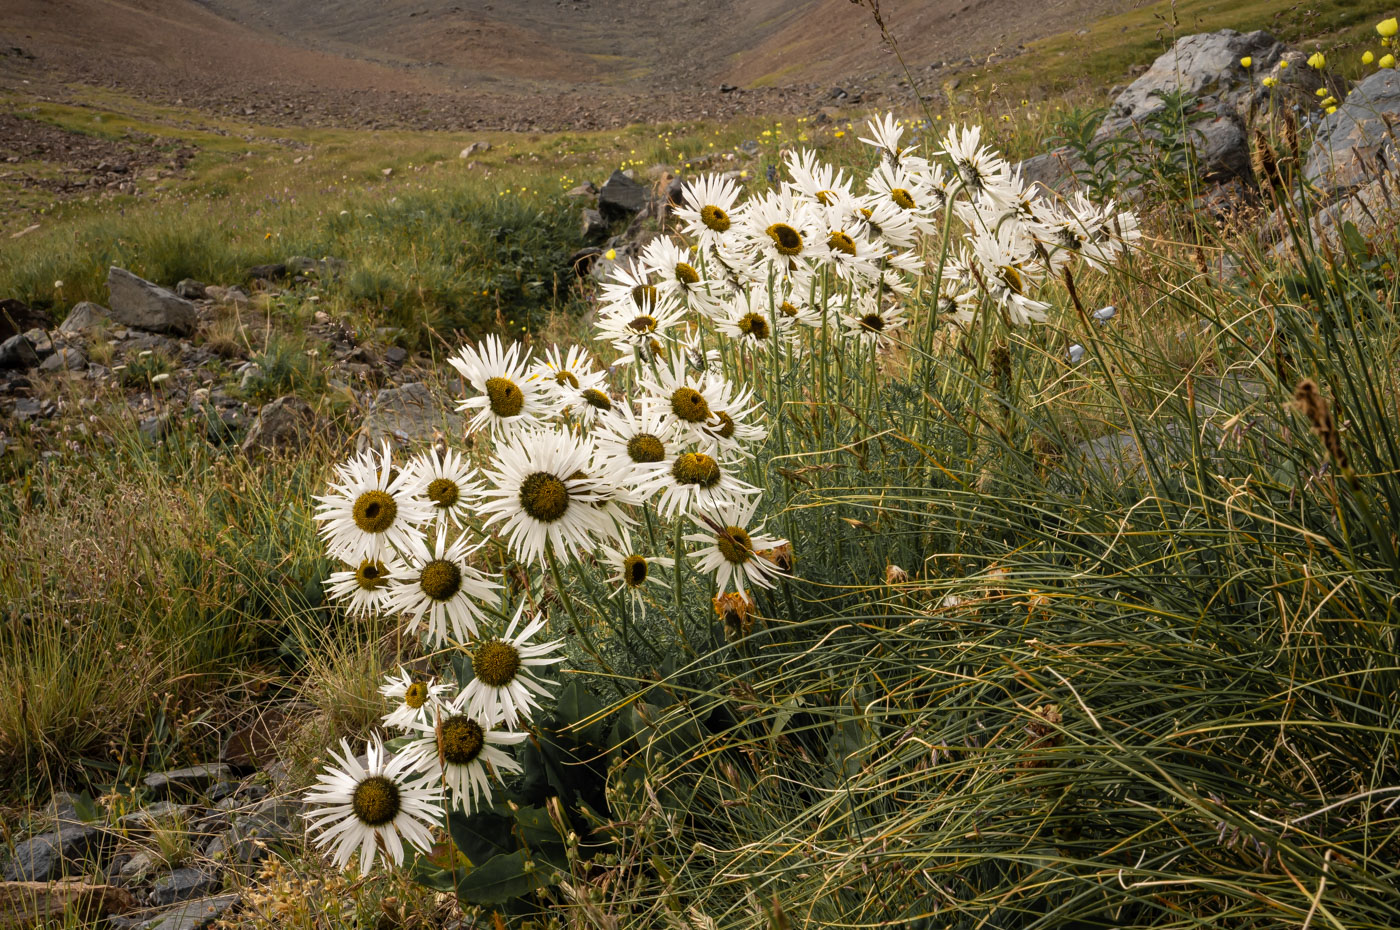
x=1356, y=144
x=50, y=855
x=1205, y=66
x=285, y=425
x=407, y=416
x=621, y=197
x=83, y=317
x=140, y=304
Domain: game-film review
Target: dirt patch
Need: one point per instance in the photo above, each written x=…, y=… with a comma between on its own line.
x=46, y=157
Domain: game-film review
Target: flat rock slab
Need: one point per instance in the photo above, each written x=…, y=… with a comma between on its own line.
x=191, y=915
x=1351, y=143
x=50, y=855
x=140, y=304
x=408, y=415
x=184, y=884
x=190, y=781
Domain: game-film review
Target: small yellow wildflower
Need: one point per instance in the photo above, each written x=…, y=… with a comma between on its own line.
x=610, y=255
x=1322, y=92
x=1387, y=62
x=840, y=133
x=1246, y=61
x=1331, y=110
x=1269, y=81
x=1367, y=57
x=1283, y=63
x=1388, y=27
x=1317, y=60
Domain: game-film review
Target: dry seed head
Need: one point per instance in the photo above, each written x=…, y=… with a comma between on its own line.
x=1314, y=406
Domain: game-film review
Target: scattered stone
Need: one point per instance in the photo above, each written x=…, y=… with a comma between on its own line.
x=234, y=296
x=581, y=262
x=728, y=88
x=1357, y=143
x=138, y=303
x=1222, y=149
x=144, y=820
x=18, y=352
x=34, y=904
x=479, y=146
x=252, y=371
x=188, y=782
x=274, y=272
x=16, y=316
x=253, y=836
x=83, y=317
x=284, y=425
x=621, y=197
x=66, y=358
x=190, y=289
x=182, y=885
x=396, y=355
x=1055, y=171
x=586, y=189
x=46, y=857
x=407, y=415
x=594, y=227
x=141, y=866
x=192, y=915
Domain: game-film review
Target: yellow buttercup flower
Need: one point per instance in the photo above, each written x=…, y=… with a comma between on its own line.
x=1322, y=92
x=1387, y=62
x=1283, y=63
x=1246, y=61
x=1331, y=110
x=1388, y=27
x=1367, y=57
x=610, y=255
x=1269, y=81
x=1329, y=102
x=1317, y=60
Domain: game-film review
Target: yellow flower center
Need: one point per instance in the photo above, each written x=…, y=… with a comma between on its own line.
x=634, y=571
x=440, y=579
x=416, y=694
x=495, y=663
x=787, y=240
x=375, y=511
x=734, y=544
x=642, y=324
x=725, y=429
x=460, y=740
x=644, y=294
x=565, y=377
x=872, y=322
x=841, y=242
x=696, y=468
x=715, y=218
x=375, y=801
x=689, y=404
x=902, y=198
x=544, y=496
x=371, y=576
x=597, y=399
x=754, y=325
x=686, y=274
x=443, y=492
x=507, y=400
x=645, y=447
x=787, y=309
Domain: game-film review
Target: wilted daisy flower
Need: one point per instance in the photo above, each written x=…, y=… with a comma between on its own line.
x=509, y=395
x=370, y=508
x=708, y=212
x=730, y=547
x=733, y=424
x=444, y=481
x=415, y=700
x=870, y=323
x=441, y=587
x=1005, y=260
x=367, y=586
x=885, y=133
x=368, y=806
x=695, y=481
x=455, y=749
x=634, y=443
x=505, y=685
x=889, y=222
x=629, y=570
x=976, y=166
x=751, y=324
x=543, y=494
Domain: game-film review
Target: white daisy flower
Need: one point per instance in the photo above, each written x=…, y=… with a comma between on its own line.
x=441, y=587
x=366, y=587
x=543, y=494
x=443, y=480
x=370, y=509
x=415, y=700
x=505, y=683
x=509, y=396
x=1006, y=261
x=456, y=748
x=641, y=330
x=566, y=373
x=696, y=481
x=630, y=571
x=709, y=209
x=634, y=444
x=885, y=133
x=889, y=222
x=733, y=423
x=785, y=231
x=678, y=276
x=851, y=253
x=750, y=323
x=906, y=191
x=816, y=180
x=375, y=805
x=976, y=166
x=730, y=549
x=869, y=323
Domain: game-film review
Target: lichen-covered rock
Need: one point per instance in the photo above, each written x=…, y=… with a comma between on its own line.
x=1356, y=144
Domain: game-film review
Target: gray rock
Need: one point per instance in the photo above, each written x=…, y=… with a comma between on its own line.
x=1222, y=148
x=166, y=812
x=1205, y=65
x=396, y=355
x=51, y=855
x=83, y=317
x=251, y=372
x=274, y=272
x=138, y=303
x=1054, y=171
x=192, y=915
x=593, y=226
x=16, y=316
x=182, y=885
x=621, y=197
x=408, y=415
x=190, y=289
x=253, y=836
x=18, y=352
x=286, y=424
x=478, y=146
x=187, y=782
x=67, y=358
x=1357, y=144
x=138, y=868
x=1368, y=208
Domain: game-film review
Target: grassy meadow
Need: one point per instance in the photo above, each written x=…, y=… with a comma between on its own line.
x=1068, y=642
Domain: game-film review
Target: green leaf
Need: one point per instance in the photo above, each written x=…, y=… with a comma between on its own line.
x=482, y=834
x=504, y=878
x=575, y=706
